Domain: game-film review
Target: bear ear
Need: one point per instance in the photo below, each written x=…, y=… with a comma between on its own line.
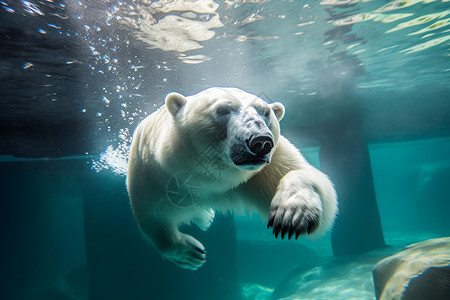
x=278, y=109
x=175, y=102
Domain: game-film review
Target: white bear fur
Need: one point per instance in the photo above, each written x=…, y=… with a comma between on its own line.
x=296, y=197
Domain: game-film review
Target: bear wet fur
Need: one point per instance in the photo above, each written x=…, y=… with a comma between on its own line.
x=229, y=141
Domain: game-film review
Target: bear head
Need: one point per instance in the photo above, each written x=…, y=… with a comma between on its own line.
x=229, y=125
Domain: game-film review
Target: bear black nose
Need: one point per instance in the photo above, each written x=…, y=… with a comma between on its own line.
x=260, y=145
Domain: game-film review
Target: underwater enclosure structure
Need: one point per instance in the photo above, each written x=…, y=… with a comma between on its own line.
x=366, y=90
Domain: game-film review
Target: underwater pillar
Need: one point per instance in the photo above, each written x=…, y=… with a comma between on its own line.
x=344, y=157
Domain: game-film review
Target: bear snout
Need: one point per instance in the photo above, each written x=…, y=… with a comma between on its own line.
x=260, y=145
x=252, y=153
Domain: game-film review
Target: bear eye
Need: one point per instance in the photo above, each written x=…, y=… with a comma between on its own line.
x=223, y=111
x=264, y=111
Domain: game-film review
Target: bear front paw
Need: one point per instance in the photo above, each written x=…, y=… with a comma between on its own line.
x=186, y=252
x=297, y=211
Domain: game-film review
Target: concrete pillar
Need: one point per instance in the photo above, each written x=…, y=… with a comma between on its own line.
x=344, y=157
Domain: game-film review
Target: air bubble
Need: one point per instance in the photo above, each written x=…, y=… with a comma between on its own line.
x=27, y=65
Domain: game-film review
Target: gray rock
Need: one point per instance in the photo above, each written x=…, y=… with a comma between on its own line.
x=336, y=278
x=422, y=271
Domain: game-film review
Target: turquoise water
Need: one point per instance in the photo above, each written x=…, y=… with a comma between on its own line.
x=355, y=76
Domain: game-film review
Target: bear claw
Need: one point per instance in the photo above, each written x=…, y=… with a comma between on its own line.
x=290, y=223
x=200, y=250
x=295, y=213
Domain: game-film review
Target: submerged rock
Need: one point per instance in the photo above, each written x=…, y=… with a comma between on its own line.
x=420, y=272
x=338, y=278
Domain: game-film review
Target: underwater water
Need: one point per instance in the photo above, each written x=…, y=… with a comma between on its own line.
x=366, y=86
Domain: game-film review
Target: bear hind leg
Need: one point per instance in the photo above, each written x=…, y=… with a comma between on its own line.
x=181, y=249
x=186, y=252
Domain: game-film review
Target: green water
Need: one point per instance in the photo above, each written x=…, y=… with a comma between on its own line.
x=78, y=76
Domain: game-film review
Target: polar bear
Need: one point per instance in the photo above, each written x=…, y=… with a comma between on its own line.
x=221, y=150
